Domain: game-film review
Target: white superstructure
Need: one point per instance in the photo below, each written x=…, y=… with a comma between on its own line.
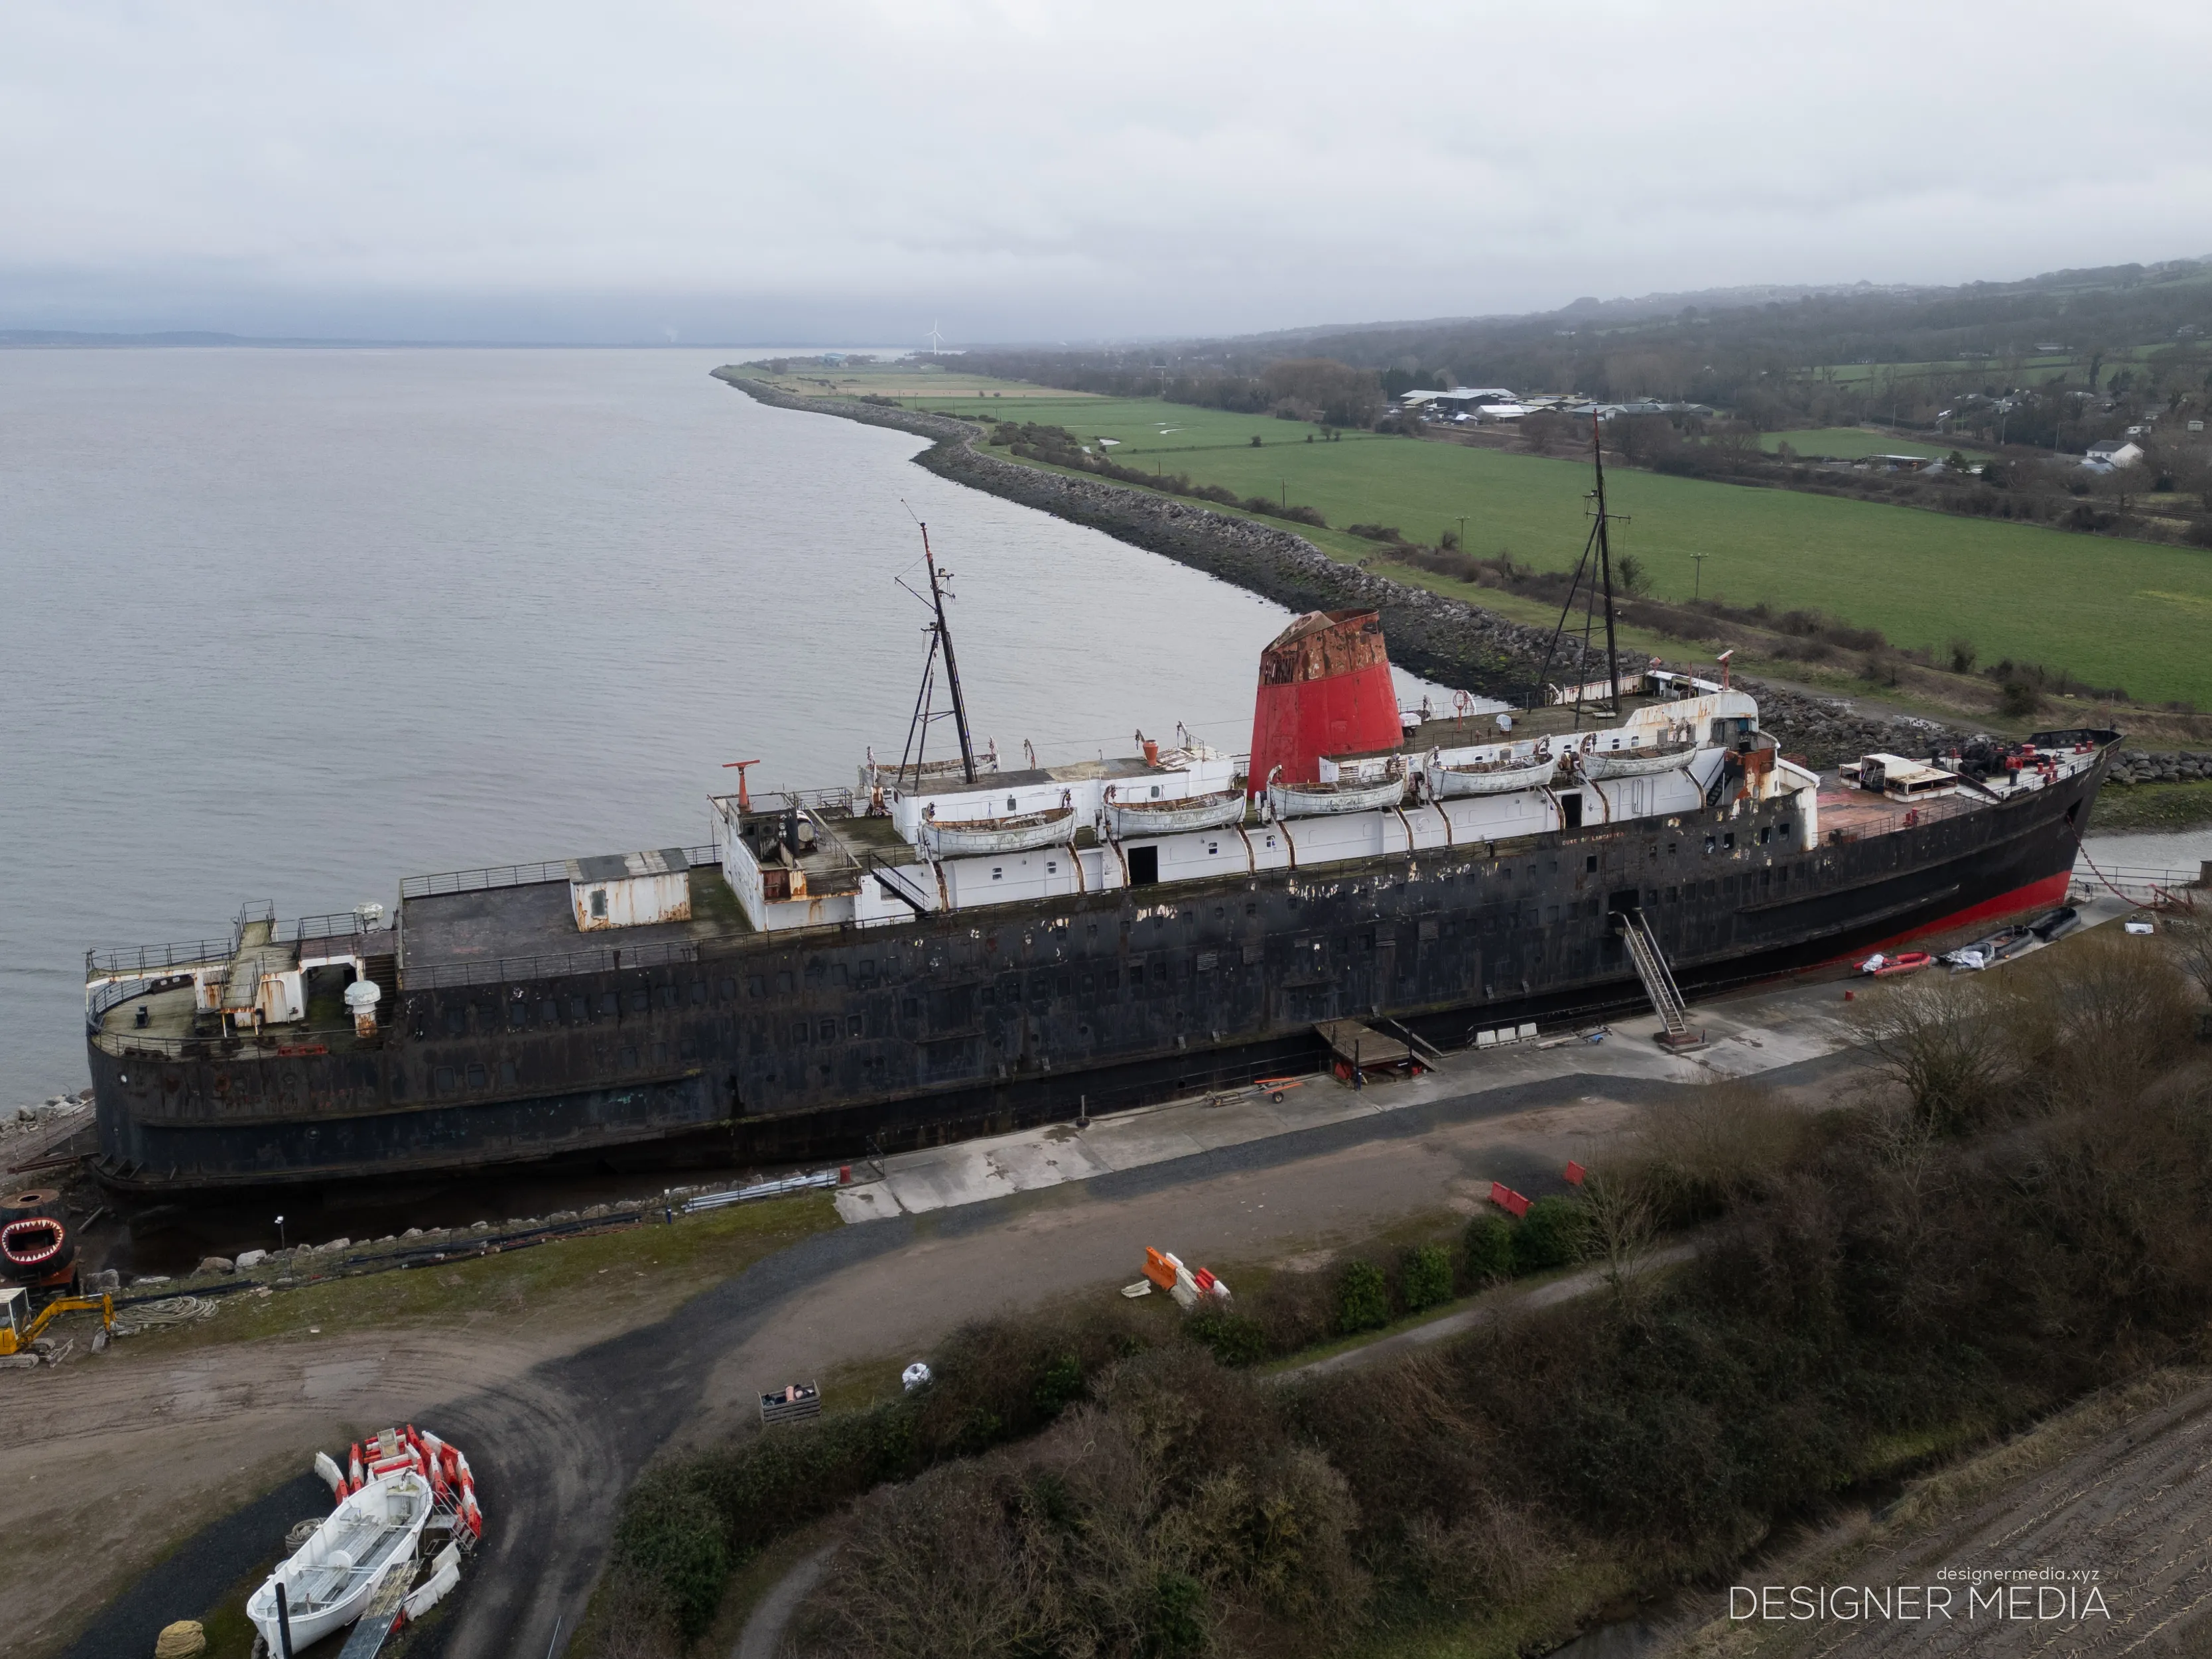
x=843, y=858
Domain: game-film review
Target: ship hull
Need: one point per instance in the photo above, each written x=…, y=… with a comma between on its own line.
x=781, y=1049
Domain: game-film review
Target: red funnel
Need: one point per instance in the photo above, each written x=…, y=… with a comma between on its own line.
x=1325, y=689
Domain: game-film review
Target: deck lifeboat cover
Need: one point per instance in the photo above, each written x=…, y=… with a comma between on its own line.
x=1325, y=689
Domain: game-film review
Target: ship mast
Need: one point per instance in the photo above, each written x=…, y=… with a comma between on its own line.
x=1592, y=580
x=940, y=640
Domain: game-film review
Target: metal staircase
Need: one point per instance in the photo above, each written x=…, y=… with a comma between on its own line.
x=1677, y=1032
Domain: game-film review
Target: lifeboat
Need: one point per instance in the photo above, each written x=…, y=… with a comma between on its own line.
x=1638, y=760
x=1501, y=776
x=1024, y=832
x=1129, y=820
x=328, y=1580
x=1309, y=800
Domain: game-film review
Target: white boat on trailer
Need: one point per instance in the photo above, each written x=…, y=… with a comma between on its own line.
x=1500, y=776
x=1131, y=820
x=362, y=1559
x=1024, y=832
x=328, y=1581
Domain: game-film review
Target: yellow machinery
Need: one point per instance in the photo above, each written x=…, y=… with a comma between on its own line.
x=19, y=1328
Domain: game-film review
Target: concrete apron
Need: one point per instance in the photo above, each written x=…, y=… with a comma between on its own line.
x=1748, y=1034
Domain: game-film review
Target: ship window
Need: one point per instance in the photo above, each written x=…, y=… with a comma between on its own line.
x=828, y=1032
x=783, y=983
x=801, y=1033
x=1550, y=916
x=549, y=1012
x=629, y=1059
x=637, y=1000
x=1728, y=841
x=1156, y=792
x=599, y=904
x=755, y=986
x=1051, y=867
x=989, y=997
x=660, y=1054
x=1143, y=867
x=1251, y=909
x=577, y=1011
x=997, y=872
x=457, y=1021
x=1212, y=848
x=910, y=1009
x=1136, y=975
x=1010, y=803
x=506, y=1074
x=607, y=1003
x=853, y=1025
x=477, y=1077
x=517, y=1016
x=442, y=1080
x=668, y=996
x=698, y=992
x=1589, y=864
x=1765, y=831
x=1710, y=843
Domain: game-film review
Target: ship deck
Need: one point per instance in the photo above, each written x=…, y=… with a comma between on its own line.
x=531, y=923
x=1856, y=814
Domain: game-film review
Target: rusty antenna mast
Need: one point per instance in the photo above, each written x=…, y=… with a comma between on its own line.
x=1592, y=580
x=940, y=640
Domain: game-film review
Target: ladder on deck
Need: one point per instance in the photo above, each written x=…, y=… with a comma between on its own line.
x=1658, y=983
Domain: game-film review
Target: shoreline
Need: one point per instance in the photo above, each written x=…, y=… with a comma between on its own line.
x=1440, y=638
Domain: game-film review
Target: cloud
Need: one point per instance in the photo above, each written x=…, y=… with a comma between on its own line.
x=503, y=170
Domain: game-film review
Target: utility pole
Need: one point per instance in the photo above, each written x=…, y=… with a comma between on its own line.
x=1462, y=532
x=1698, y=580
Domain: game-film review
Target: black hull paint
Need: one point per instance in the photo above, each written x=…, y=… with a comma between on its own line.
x=785, y=1048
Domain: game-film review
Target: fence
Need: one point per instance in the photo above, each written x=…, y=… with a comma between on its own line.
x=511, y=875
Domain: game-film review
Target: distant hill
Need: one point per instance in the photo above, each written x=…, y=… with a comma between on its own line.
x=181, y=337
x=1821, y=356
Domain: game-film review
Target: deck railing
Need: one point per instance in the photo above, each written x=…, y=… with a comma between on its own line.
x=509, y=875
x=151, y=960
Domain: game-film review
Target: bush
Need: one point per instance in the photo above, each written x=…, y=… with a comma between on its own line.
x=672, y=1534
x=1551, y=1235
x=1425, y=1278
x=1488, y=1248
x=1234, y=1338
x=1363, y=1300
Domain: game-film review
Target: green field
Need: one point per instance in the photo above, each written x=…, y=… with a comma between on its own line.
x=1849, y=442
x=2031, y=370
x=2108, y=611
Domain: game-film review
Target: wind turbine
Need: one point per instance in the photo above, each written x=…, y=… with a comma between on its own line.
x=936, y=341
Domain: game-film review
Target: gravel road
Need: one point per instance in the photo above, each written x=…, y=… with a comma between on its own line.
x=557, y=1434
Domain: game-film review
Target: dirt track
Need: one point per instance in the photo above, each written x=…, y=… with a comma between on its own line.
x=2124, y=1506
x=119, y=1451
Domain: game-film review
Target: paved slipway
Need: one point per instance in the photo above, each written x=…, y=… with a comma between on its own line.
x=556, y=1431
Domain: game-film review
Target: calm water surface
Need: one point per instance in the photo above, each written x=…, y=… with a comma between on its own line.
x=289, y=625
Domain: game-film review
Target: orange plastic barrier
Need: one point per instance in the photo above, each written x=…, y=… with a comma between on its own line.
x=1159, y=1269
x=1574, y=1173
x=1507, y=1200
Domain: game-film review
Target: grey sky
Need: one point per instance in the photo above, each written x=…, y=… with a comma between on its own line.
x=1027, y=171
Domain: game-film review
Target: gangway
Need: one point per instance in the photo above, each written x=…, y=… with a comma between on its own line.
x=1677, y=1032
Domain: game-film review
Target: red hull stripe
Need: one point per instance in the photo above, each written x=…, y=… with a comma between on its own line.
x=2036, y=895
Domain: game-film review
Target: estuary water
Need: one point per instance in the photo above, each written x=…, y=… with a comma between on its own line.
x=288, y=625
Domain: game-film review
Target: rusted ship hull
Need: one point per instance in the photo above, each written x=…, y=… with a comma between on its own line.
x=770, y=1049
